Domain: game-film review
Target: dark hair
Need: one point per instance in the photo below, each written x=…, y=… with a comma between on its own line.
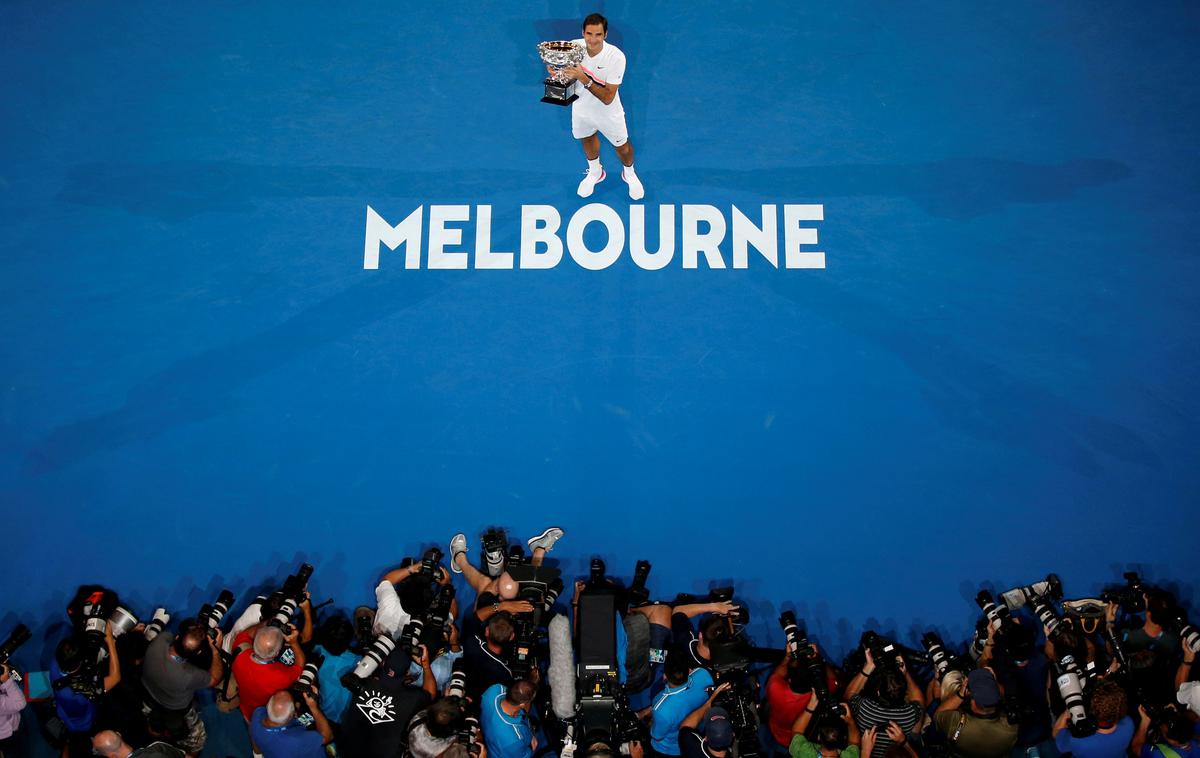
x=443, y=717
x=799, y=679
x=833, y=735
x=1109, y=703
x=521, y=692
x=715, y=629
x=676, y=667
x=892, y=686
x=336, y=634
x=1179, y=727
x=69, y=654
x=593, y=19
x=499, y=629
x=1067, y=641
x=1158, y=607
x=1019, y=642
x=190, y=639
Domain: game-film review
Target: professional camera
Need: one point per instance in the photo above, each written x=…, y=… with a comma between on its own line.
x=211, y=616
x=306, y=683
x=123, y=620
x=468, y=734
x=540, y=586
x=1178, y=622
x=1071, y=681
x=795, y=636
x=18, y=637
x=375, y=654
x=1131, y=597
x=1049, y=588
x=280, y=606
x=1045, y=613
x=997, y=615
x=940, y=658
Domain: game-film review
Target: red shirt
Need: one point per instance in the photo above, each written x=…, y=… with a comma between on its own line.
x=257, y=682
x=784, y=707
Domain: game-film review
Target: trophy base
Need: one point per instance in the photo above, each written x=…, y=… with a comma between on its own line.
x=558, y=92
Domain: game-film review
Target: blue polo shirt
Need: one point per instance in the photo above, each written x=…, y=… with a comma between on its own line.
x=505, y=736
x=672, y=706
x=1098, y=745
x=290, y=741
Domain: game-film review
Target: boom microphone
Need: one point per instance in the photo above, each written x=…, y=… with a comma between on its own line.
x=561, y=673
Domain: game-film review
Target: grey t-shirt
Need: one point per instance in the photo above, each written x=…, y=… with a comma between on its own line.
x=170, y=681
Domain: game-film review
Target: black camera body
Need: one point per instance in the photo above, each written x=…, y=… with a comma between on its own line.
x=540, y=586
x=211, y=615
x=1130, y=596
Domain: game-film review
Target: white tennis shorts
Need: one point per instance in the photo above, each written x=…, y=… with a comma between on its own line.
x=610, y=123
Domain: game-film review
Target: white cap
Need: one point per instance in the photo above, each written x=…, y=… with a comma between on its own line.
x=1189, y=695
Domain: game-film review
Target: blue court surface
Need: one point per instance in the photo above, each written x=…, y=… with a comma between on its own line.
x=992, y=377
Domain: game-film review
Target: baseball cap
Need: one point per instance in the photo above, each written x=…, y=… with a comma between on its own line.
x=1189, y=695
x=984, y=690
x=718, y=732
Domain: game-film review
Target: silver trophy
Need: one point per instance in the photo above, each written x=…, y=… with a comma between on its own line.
x=560, y=55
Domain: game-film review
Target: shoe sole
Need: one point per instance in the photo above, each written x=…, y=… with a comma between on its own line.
x=542, y=536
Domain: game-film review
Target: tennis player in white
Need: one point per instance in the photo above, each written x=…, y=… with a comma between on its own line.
x=598, y=108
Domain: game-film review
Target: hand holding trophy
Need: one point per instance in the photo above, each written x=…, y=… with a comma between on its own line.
x=560, y=55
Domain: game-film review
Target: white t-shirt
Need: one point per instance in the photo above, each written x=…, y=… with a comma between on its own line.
x=607, y=67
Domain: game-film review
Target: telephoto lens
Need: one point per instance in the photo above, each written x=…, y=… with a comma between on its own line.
x=19, y=636
x=456, y=686
x=468, y=734
x=998, y=615
x=211, y=616
x=791, y=632
x=1049, y=588
x=306, y=682
x=375, y=654
x=1046, y=614
x=157, y=623
x=936, y=649
x=122, y=620
x=1070, y=688
x=1188, y=633
x=410, y=638
x=283, y=616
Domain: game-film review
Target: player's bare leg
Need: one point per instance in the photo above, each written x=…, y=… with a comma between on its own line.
x=625, y=153
x=595, y=172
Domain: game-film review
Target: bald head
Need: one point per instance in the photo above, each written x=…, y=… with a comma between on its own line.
x=506, y=587
x=268, y=641
x=281, y=708
x=109, y=743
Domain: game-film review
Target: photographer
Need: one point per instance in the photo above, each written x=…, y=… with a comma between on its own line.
x=333, y=645
x=435, y=729
x=834, y=739
x=685, y=691
x=12, y=702
x=970, y=719
x=273, y=663
x=171, y=678
x=1109, y=706
x=486, y=658
x=73, y=659
x=1176, y=737
x=718, y=731
x=110, y=744
x=375, y=724
x=390, y=615
x=895, y=697
x=276, y=733
x=504, y=719
x=789, y=690
x=491, y=582
x=715, y=629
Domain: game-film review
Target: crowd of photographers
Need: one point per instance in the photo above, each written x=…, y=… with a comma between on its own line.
x=610, y=671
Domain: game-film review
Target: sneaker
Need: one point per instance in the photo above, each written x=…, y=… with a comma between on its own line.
x=458, y=544
x=590, y=180
x=495, y=552
x=636, y=192
x=546, y=539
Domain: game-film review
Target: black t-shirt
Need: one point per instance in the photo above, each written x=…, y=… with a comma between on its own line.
x=375, y=724
x=483, y=667
x=691, y=744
